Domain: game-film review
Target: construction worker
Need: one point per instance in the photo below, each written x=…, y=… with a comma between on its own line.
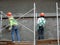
x=41, y=22
x=13, y=27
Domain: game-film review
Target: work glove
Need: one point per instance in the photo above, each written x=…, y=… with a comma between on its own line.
x=10, y=28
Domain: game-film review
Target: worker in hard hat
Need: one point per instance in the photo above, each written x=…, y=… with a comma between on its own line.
x=13, y=27
x=41, y=22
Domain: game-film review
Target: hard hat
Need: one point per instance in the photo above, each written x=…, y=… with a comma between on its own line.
x=42, y=14
x=9, y=14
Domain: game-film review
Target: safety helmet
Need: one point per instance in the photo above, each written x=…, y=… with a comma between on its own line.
x=42, y=14
x=9, y=14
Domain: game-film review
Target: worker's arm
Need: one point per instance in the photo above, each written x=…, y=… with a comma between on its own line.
x=10, y=23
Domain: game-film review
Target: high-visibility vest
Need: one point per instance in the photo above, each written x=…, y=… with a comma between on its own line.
x=12, y=21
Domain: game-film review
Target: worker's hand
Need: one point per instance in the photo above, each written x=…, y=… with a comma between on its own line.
x=10, y=28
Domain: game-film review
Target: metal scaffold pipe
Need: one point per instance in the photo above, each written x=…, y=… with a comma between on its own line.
x=34, y=21
x=57, y=23
x=1, y=24
x=1, y=17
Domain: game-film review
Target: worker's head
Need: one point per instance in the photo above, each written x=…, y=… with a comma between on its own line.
x=42, y=14
x=9, y=14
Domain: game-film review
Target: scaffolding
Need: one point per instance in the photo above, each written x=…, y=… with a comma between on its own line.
x=33, y=9
x=35, y=17
x=57, y=11
x=52, y=41
x=1, y=24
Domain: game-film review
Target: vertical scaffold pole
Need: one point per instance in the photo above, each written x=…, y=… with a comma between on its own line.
x=1, y=24
x=34, y=22
x=57, y=23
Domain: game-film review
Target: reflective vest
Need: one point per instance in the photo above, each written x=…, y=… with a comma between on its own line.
x=12, y=21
